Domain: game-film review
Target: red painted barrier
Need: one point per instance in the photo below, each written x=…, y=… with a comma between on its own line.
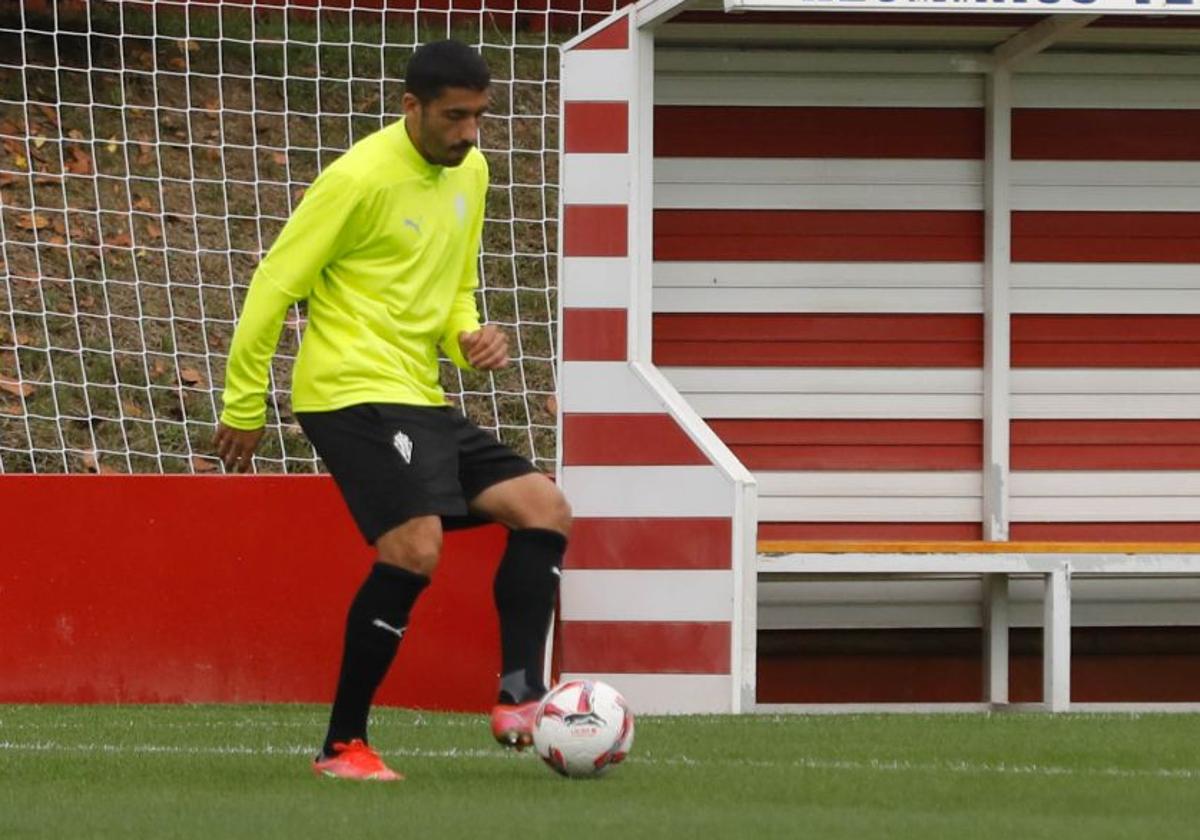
x=167, y=589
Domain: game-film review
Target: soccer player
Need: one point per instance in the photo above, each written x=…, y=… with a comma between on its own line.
x=384, y=248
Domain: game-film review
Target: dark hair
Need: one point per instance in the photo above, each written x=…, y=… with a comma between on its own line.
x=443, y=64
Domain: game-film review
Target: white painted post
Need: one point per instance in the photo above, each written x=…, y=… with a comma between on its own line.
x=996, y=262
x=1056, y=640
x=641, y=199
x=995, y=639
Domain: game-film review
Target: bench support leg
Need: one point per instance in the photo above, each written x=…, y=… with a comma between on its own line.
x=1056, y=641
x=995, y=639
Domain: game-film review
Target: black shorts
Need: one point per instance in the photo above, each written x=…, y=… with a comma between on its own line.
x=395, y=462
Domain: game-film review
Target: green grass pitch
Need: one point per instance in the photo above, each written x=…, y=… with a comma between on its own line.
x=242, y=771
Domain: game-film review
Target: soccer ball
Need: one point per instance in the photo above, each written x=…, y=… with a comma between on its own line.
x=583, y=728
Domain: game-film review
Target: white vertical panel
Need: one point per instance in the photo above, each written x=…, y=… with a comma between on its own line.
x=604, y=388
x=641, y=210
x=647, y=595
x=647, y=491
x=996, y=332
x=595, y=282
x=596, y=178
x=596, y=75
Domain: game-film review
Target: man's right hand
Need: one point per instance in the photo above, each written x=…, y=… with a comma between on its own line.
x=235, y=447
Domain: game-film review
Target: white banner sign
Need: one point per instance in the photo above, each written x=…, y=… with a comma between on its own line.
x=1092, y=7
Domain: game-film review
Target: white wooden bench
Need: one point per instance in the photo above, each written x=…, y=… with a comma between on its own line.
x=995, y=563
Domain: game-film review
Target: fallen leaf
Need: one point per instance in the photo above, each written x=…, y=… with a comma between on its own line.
x=10, y=127
x=57, y=240
x=132, y=410
x=80, y=162
x=121, y=240
x=201, y=464
x=191, y=377
x=21, y=162
x=32, y=221
x=7, y=178
x=17, y=389
x=112, y=144
x=212, y=104
x=154, y=230
x=75, y=134
x=144, y=204
x=39, y=141
x=58, y=225
x=177, y=63
x=91, y=463
x=281, y=158
x=552, y=405
x=49, y=113
x=158, y=369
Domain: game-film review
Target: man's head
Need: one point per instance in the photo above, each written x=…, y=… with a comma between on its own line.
x=446, y=96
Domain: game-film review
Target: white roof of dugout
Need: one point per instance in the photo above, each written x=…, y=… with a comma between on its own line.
x=986, y=25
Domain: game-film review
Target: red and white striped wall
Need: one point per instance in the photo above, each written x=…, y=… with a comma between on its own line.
x=818, y=289
x=774, y=321
x=818, y=277
x=1105, y=434
x=651, y=593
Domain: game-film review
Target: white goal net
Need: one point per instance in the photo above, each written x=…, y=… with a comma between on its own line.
x=149, y=154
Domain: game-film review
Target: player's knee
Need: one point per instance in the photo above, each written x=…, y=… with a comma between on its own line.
x=552, y=512
x=560, y=513
x=413, y=546
x=418, y=556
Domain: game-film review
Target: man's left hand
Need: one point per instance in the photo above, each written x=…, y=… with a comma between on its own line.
x=486, y=348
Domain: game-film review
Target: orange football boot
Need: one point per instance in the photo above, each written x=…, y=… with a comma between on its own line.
x=512, y=725
x=355, y=760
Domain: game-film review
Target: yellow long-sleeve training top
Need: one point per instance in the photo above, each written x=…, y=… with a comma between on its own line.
x=384, y=246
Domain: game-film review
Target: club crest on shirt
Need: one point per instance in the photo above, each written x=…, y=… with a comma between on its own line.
x=404, y=446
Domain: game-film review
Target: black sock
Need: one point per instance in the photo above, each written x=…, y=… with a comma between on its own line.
x=525, y=586
x=376, y=623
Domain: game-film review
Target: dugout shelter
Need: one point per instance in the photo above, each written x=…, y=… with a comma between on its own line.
x=899, y=276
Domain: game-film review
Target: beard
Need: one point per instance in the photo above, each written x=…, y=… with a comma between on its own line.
x=446, y=155
x=457, y=154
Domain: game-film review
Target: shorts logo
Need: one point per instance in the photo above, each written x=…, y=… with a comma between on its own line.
x=383, y=625
x=404, y=446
